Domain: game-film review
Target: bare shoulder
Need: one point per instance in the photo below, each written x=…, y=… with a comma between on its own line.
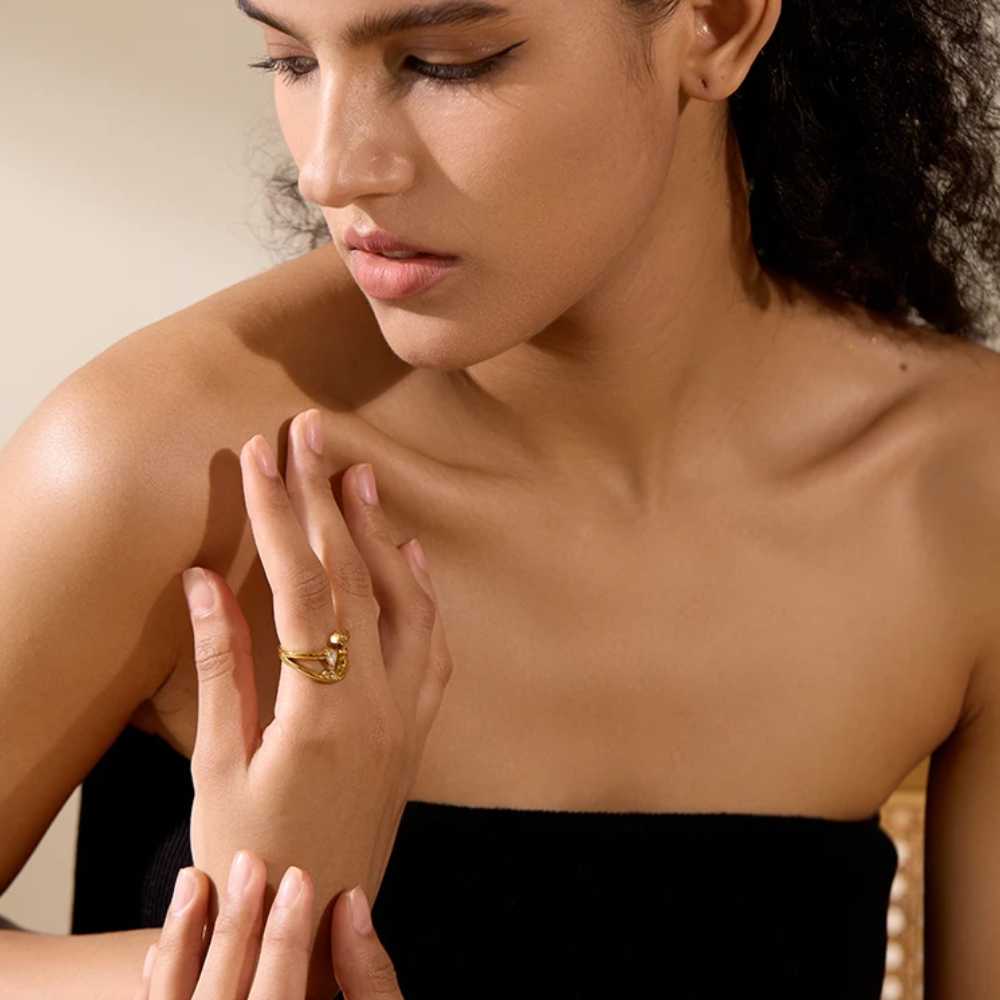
x=959, y=494
x=245, y=359
x=962, y=826
x=302, y=325
x=166, y=409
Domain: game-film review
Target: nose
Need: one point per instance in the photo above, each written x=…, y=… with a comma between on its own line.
x=355, y=149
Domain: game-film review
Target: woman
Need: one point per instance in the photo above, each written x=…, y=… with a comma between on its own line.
x=695, y=429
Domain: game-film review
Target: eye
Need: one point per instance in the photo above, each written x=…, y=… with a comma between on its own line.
x=287, y=67
x=447, y=74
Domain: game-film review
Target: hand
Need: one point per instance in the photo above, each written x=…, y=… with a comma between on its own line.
x=178, y=968
x=325, y=784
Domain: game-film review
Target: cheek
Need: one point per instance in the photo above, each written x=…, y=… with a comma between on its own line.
x=296, y=121
x=557, y=190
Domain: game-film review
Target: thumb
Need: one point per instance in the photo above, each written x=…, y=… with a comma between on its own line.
x=360, y=963
x=228, y=728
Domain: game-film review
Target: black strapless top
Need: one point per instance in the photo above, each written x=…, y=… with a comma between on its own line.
x=492, y=902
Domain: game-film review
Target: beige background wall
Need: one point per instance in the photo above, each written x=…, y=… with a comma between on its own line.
x=131, y=133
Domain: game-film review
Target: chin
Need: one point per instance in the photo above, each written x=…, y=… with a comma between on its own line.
x=433, y=343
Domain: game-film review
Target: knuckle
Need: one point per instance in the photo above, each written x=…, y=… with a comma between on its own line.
x=441, y=670
x=273, y=498
x=208, y=764
x=421, y=612
x=386, y=734
x=351, y=577
x=171, y=944
x=231, y=923
x=380, y=976
x=282, y=937
x=215, y=653
x=315, y=738
x=309, y=589
x=374, y=526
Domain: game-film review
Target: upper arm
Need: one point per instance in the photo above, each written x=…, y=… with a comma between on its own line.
x=87, y=598
x=962, y=851
x=962, y=822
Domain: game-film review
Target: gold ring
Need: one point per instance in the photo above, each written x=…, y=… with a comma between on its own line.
x=333, y=654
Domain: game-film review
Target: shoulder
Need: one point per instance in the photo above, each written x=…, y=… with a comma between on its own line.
x=146, y=436
x=958, y=494
x=959, y=407
x=242, y=361
x=292, y=328
x=961, y=489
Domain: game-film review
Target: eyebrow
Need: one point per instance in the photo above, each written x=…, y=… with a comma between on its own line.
x=372, y=27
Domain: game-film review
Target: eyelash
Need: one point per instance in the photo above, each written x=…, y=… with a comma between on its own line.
x=449, y=74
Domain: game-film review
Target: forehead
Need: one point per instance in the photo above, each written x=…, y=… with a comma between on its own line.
x=372, y=26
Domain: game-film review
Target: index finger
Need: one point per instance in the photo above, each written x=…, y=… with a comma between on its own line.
x=304, y=605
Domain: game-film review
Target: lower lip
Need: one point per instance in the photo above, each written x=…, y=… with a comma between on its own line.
x=385, y=278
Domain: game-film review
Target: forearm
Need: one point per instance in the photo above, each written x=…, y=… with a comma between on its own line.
x=107, y=966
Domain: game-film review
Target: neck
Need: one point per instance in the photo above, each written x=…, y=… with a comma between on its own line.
x=652, y=375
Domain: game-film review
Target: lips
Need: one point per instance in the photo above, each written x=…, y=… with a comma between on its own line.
x=384, y=278
x=378, y=241
x=410, y=255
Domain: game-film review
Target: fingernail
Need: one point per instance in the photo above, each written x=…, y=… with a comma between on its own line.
x=147, y=965
x=314, y=433
x=239, y=874
x=183, y=891
x=366, y=485
x=361, y=915
x=265, y=457
x=198, y=591
x=419, y=554
x=291, y=884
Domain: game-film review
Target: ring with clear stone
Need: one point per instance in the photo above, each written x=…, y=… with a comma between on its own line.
x=333, y=655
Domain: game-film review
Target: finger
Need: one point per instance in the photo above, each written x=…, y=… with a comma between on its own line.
x=304, y=613
x=326, y=534
x=406, y=607
x=439, y=670
x=361, y=537
x=286, y=947
x=227, y=732
x=235, y=942
x=174, y=972
x=361, y=965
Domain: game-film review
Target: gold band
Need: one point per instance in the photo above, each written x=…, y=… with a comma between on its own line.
x=333, y=654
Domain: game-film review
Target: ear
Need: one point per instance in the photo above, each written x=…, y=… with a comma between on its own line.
x=726, y=38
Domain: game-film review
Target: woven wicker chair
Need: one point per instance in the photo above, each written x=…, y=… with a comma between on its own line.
x=902, y=817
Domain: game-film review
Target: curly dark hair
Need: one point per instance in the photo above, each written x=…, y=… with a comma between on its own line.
x=868, y=136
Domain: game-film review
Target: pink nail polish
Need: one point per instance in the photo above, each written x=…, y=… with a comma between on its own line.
x=147, y=965
x=265, y=458
x=361, y=915
x=239, y=874
x=366, y=485
x=183, y=891
x=418, y=554
x=288, y=891
x=314, y=433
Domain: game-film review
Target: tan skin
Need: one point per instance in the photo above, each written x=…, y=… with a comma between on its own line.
x=627, y=618
x=700, y=539
x=618, y=516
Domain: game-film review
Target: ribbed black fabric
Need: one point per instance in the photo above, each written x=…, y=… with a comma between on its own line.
x=483, y=902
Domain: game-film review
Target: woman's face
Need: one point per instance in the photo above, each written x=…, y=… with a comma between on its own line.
x=538, y=174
